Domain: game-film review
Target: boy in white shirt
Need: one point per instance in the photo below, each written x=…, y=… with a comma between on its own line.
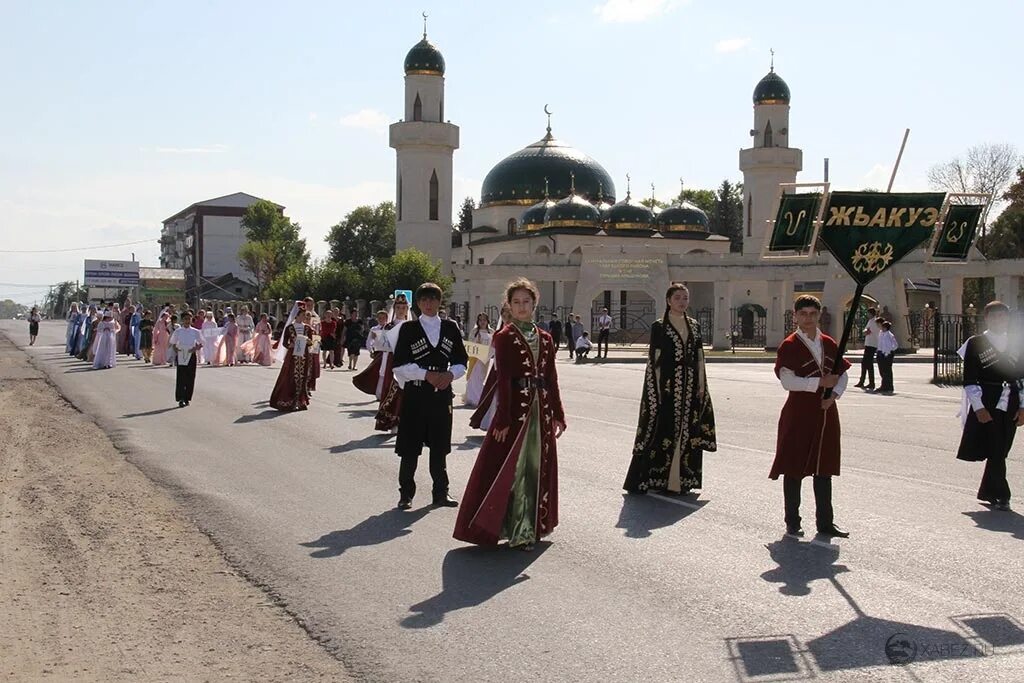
x=887, y=346
x=583, y=346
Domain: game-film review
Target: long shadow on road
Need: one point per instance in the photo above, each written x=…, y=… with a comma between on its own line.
x=387, y=526
x=265, y=415
x=641, y=515
x=471, y=577
x=378, y=440
x=1003, y=521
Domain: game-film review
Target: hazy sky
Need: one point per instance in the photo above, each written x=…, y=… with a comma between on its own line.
x=117, y=115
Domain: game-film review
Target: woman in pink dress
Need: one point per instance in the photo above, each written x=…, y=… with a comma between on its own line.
x=160, y=336
x=230, y=340
x=261, y=345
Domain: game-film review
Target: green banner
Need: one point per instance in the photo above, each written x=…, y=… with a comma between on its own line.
x=868, y=232
x=958, y=231
x=794, y=223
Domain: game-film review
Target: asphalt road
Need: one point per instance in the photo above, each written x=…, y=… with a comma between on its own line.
x=638, y=588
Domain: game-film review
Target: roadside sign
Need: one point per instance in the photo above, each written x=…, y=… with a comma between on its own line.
x=111, y=273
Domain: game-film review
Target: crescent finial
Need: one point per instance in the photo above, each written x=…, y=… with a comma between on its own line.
x=425, y=15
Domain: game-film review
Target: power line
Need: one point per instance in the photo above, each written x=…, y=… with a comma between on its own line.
x=54, y=251
x=18, y=284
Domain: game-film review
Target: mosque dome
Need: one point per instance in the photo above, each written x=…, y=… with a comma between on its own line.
x=424, y=58
x=533, y=217
x=771, y=90
x=520, y=177
x=572, y=212
x=682, y=217
x=629, y=214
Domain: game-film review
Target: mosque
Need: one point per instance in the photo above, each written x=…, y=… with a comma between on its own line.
x=553, y=214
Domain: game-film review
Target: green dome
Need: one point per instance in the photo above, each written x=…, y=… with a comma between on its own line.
x=572, y=212
x=682, y=217
x=771, y=90
x=520, y=177
x=630, y=214
x=533, y=217
x=424, y=58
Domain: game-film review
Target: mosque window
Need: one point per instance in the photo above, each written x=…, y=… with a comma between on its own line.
x=750, y=213
x=433, y=196
x=768, y=135
x=417, y=109
x=399, y=196
x=511, y=226
x=440, y=116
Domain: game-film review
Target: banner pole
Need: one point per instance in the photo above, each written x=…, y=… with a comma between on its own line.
x=847, y=328
x=899, y=157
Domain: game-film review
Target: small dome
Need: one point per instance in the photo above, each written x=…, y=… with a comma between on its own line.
x=630, y=214
x=771, y=90
x=424, y=58
x=533, y=217
x=572, y=212
x=682, y=217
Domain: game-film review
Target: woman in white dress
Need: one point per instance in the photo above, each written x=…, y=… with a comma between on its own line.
x=106, y=342
x=476, y=372
x=246, y=326
x=212, y=336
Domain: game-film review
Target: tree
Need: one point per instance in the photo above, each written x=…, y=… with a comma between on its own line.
x=1015, y=193
x=465, y=223
x=323, y=280
x=1006, y=237
x=9, y=308
x=727, y=215
x=279, y=246
x=987, y=168
x=364, y=237
x=60, y=297
x=407, y=269
x=702, y=199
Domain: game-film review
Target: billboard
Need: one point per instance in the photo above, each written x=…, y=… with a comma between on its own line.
x=118, y=274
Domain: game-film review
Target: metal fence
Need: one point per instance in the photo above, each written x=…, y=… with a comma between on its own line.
x=950, y=331
x=749, y=328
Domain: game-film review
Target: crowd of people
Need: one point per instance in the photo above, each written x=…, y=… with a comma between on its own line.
x=417, y=353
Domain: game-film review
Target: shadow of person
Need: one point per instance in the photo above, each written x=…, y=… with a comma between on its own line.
x=375, y=440
x=265, y=415
x=148, y=413
x=387, y=526
x=472, y=443
x=471, y=576
x=367, y=412
x=801, y=563
x=641, y=515
x=357, y=403
x=1003, y=521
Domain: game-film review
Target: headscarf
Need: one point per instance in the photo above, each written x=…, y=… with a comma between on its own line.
x=281, y=350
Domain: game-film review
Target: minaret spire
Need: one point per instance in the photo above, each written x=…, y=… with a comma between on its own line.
x=425, y=15
x=572, y=182
x=628, y=189
x=548, y=112
x=772, y=50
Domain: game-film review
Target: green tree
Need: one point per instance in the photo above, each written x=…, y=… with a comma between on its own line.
x=1005, y=239
x=279, y=246
x=9, y=308
x=1015, y=193
x=407, y=269
x=727, y=215
x=60, y=297
x=702, y=199
x=323, y=280
x=364, y=237
x=465, y=223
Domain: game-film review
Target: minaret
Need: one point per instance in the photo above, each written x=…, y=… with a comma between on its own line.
x=424, y=144
x=769, y=161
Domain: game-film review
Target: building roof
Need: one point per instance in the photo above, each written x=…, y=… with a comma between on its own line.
x=424, y=58
x=771, y=90
x=241, y=200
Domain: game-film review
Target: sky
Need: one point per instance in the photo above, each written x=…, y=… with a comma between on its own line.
x=117, y=115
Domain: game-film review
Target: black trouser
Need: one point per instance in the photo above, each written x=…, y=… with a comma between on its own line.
x=822, y=500
x=556, y=338
x=426, y=420
x=438, y=472
x=185, y=380
x=994, y=486
x=885, y=370
x=867, y=366
x=602, y=336
x=572, y=347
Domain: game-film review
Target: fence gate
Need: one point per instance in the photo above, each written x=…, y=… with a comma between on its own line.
x=749, y=328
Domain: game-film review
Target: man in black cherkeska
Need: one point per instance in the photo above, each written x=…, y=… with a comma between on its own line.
x=429, y=356
x=993, y=368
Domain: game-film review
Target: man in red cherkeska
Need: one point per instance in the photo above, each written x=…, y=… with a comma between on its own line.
x=808, y=439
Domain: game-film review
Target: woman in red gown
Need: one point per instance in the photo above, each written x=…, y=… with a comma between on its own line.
x=291, y=391
x=513, y=491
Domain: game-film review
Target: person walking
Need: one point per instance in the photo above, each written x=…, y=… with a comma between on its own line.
x=677, y=421
x=429, y=356
x=886, y=353
x=993, y=402
x=555, y=330
x=185, y=343
x=808, y=442
x=34, y=318
x=604, y=330
x=512, y=492
x=867, y=365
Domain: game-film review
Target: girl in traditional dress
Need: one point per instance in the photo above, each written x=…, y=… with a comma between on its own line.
x=89, y=335
x=161, y=337
x=677, y=422
x=368, y=380
x=33, y=325
x=261, y=352
x=124, y=320
x=146, y=336
x=230, y=340
x=135, y=332
x=513, y=490
x=245, y=332
x=354, y=339
x=291, y=391
x=484, y=413
x=73, y=325
x=212, y=337
x=476, y=373
x=328, y=338
x=390, y=393
x=106, y=342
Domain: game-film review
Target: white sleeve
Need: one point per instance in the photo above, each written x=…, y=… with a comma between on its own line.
x=840, y=387
x=973, y=392
x=409, y=372
x=457, y=371
x=790, y=382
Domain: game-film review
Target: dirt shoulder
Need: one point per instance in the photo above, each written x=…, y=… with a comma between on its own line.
x=103, y=577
